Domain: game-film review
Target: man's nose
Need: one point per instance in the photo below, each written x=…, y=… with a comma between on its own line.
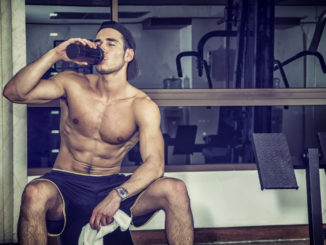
x=100, y=45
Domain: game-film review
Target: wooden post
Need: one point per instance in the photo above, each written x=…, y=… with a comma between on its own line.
x=114, y=10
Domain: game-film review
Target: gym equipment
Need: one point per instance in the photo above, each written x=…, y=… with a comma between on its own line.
x=272, y=149
x=199, y=54
x=312, y=51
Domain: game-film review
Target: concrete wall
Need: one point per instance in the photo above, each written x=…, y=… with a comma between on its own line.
x=234, y=199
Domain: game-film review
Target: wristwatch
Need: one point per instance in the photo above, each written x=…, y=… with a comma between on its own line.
x=122, y=192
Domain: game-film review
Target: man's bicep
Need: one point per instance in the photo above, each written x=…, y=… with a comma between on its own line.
x=151, y=139
x=151, y=144
x=46, y=90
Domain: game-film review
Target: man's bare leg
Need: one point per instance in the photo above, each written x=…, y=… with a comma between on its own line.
x=171, y=196
x=40, y=199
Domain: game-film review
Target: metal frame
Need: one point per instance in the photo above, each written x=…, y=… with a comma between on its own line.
x=316, y=231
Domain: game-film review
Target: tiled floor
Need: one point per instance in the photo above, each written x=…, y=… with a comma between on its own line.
x=288, y=242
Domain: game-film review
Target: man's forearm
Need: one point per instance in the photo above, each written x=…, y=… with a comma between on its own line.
x=144, y=175
x=28, y=77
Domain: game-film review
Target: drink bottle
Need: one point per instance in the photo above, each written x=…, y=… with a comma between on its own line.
x=83, y=53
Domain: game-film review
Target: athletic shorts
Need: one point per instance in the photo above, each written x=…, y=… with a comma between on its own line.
x=80, y=194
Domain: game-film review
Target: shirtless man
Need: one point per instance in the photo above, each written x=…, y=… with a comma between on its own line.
x=102, y=117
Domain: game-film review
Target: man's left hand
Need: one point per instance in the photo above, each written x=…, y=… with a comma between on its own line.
x=103, y=213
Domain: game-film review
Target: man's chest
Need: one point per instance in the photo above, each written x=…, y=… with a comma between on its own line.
x=112, y=123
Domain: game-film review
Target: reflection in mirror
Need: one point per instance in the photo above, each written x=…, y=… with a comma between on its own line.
x=199, y=44
x=194, y=135
x=161, y=33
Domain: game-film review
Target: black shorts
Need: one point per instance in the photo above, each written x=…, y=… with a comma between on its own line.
x=80, y=194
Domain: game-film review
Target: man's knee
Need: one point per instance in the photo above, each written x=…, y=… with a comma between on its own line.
x=175, y=192
x=35, y=196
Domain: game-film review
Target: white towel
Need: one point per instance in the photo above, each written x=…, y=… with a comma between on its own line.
x=88, y=236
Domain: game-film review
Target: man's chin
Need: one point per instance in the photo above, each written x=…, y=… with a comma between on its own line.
x=102, y=72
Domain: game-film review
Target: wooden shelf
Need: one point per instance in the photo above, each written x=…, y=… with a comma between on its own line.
x=230, y=97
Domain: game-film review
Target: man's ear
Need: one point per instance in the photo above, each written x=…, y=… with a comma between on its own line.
x=129, y=55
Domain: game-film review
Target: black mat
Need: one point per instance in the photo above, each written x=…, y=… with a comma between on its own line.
x=274, y=163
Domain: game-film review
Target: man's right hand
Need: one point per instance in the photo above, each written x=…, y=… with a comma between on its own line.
x=61, y=49
x=103, y=213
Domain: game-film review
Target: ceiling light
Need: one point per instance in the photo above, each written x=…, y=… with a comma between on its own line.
x=53, y=14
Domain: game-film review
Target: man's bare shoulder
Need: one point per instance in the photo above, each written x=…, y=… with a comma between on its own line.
x=142, y=99
x=145, y=108
x=66, y=76
x=71, y=77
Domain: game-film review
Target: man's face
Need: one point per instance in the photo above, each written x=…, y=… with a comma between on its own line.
x=112, y=44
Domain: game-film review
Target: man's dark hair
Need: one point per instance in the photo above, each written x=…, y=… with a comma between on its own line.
x=129, y=42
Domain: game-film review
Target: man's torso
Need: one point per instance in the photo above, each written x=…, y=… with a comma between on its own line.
x=96, y=132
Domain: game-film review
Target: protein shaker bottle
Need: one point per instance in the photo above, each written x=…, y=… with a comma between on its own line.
x=83, y=53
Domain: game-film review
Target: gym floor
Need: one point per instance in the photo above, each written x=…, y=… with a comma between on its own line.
x=260, y=235
x=291, y=242
x=271, y=242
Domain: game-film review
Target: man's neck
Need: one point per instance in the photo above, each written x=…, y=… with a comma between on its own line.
x=112, y=86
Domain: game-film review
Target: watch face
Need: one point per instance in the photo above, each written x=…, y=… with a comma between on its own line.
x=123, y=193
